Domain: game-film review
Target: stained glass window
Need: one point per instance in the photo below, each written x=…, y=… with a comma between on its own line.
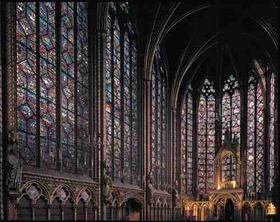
x=187, y=144
x=47, y=83
x=158, y=121
x=231, y=122
x=83, y=157
x=206, y=138
x=272, y=130
x=231, y=108
x=121, y=98
x=37, y=81
x=255, y=137
x=26, y=80
x=184, y=147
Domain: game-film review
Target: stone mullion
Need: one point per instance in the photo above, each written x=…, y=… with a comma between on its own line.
x=179, y=145
x=168, y=136
x=76, y=167
x=9, y=96
x=140, y=118
x=100, y=119
x=12, y=65
x=111, y=33
x=173, y=176
x=58, y=87
x=157, y=79
x=162, y=146
x=147, y=138
x=6, y=73
x=122, y=179
x=92, y=96
x=38, y=147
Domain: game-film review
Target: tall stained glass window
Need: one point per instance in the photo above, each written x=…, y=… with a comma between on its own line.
x=255, y=136
x=40, y=85
x=47, y=94
x=206, y=138
x=272, y=131
x=231, y=123
x=26, y=80
x=231, y=108
x=158, y=122
x=187, y=144
x=121, y=96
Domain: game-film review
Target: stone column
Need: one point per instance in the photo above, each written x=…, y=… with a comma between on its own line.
x=101, y=133
x=75, y=211
x=210, y=215
x=48, y=211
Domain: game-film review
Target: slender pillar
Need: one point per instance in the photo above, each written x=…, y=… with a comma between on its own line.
x=101, y=40
x=147, y=133
x=58, y=94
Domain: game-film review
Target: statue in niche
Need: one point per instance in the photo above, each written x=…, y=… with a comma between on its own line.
x=109, y=195
x=14, y=166
x=227, y=138
x=234, y=140
x=175, y=194
x=150, y=188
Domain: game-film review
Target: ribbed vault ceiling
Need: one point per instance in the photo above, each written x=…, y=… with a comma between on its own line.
x=206, y=38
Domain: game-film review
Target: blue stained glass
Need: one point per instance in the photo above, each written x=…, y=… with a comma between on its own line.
x=121, y=105
x=26, y=62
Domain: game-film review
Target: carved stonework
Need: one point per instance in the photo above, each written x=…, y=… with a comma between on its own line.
x=150, y=189
x=123, y=194
x=109, y=194
x=33, y=192
x=162, y=198
x=14, y=166
x=50, y=188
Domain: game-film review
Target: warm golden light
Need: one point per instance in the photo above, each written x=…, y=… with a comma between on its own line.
x=271, y=209
x=227, y=184
x=233, y=183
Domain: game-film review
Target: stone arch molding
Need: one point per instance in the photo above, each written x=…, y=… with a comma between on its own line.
x=86, y=195
x=63, y=192
x=224, y=196
x=35, y=190
x=130, y=196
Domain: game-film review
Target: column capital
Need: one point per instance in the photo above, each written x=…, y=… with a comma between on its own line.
x=147, y=80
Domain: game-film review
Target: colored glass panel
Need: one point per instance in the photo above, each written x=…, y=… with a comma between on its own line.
x=272, y=131
x=206, y=138
x=48, y=83
x=68, y=115
x=26, y=80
